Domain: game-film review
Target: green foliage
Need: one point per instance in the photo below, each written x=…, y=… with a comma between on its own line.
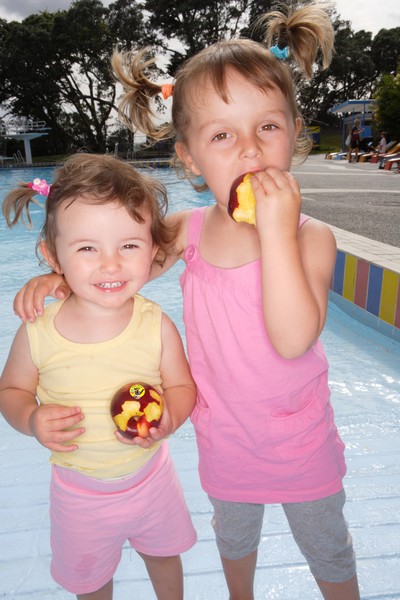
x=351, y=75
x=186, y=27
x=127, y=25
x=385, y=50
x=388, y=105
x=55, y=66
x=257, y=9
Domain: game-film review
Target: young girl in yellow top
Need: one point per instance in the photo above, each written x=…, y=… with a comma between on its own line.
x=103, y=230
x=255, y=297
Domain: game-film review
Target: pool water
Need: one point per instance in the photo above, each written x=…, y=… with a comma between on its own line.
x=365, y=383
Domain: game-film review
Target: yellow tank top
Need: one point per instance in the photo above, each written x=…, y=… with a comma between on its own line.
x=88, y=375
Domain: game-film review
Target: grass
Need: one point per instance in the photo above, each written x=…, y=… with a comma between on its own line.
x=331, y=141
x=56, y=158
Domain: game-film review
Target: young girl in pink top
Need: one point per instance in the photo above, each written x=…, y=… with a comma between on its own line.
x=255, y=298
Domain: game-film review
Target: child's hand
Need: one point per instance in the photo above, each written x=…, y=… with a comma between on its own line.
x=156, y=434
x=49, y=425
x=29, y=302
x=278, y=203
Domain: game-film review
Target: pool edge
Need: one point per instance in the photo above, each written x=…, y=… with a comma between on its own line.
x=366, y=282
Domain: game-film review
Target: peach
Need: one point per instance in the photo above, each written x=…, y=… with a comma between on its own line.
x=242, y=203
x=135, y=408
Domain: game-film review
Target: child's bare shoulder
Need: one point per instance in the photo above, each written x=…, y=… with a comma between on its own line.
x=317, y=245
x=315, y=229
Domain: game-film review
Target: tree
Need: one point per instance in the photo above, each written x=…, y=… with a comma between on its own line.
x=128, y=27
x=351, y=75
x=56, y=68
x=387, y=98
x=86, y=85
x=385, y=50
x=256, y=9
x=28, y=76
x=186, y=27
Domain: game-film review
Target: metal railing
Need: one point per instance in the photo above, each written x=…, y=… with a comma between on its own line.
x=19, y=158
x=21, y=125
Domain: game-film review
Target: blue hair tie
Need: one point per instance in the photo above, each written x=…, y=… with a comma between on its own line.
x=281, y=53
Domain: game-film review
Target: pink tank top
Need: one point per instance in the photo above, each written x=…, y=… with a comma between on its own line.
x=264, y=425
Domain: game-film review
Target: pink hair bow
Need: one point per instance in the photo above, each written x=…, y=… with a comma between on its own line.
x=40, y=186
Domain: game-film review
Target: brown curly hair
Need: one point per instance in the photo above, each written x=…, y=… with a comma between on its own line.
x=97, y=179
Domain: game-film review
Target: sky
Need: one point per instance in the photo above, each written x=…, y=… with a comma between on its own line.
x=371, y=15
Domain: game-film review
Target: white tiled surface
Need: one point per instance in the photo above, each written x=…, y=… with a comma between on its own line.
x=370, y=250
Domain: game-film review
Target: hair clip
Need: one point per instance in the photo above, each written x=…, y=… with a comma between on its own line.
x=167, y=90
x=40, y=186
x=281, y=53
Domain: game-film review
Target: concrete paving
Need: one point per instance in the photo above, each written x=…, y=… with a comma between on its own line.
x=356, y=197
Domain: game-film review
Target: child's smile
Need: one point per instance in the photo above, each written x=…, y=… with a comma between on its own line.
x=103, y=252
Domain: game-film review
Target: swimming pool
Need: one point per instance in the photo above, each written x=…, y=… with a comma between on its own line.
x=365, y=383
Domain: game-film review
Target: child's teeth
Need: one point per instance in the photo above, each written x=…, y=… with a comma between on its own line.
x=111, y=285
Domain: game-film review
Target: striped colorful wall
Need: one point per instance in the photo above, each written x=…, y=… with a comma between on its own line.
x=369, y=292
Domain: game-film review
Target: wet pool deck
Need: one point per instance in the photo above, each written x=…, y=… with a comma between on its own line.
x=371, y=432
x=369, y=425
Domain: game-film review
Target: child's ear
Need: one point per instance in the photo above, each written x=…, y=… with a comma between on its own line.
x=186, y=157
x=155, y=250
x=49, y=258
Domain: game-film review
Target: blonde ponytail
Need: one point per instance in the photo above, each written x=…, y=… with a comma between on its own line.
x=135, y=109
x=304, y=29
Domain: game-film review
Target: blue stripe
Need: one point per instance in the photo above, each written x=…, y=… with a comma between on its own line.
x=374, y=289
x=338, y=274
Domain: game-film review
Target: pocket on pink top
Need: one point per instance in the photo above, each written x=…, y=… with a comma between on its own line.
x=201, y=419
x=297, y=436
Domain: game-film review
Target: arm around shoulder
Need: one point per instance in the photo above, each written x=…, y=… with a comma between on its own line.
x=29, y=301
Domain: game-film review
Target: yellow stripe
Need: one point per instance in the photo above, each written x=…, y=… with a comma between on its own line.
x=390, y=285
x=349, y=280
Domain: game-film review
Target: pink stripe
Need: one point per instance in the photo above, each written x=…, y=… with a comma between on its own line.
x=360, y=296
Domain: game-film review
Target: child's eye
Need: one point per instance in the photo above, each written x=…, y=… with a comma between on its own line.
x=129, y=246
x=221, y=136
x=86, y=249
x=269, y=127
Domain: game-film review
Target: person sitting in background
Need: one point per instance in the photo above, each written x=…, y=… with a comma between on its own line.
x=381, y=149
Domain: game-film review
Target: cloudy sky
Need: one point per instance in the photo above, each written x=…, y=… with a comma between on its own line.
x=371, y=15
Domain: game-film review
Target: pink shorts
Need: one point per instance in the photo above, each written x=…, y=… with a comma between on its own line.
x=92, y=519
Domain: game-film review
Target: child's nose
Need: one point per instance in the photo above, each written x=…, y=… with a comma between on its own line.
x=251, y=147
x=110, y=262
